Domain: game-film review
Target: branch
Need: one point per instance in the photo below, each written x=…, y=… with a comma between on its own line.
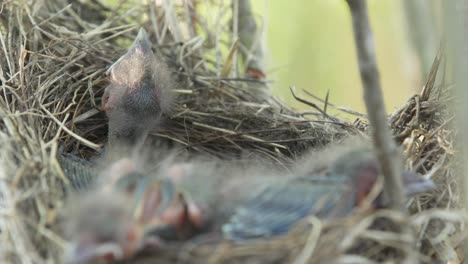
x=386, y=148
x=323, y=112
x=251, y=40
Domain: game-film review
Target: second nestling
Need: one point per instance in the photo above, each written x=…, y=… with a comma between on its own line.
x=240, y=204
x=140, y=91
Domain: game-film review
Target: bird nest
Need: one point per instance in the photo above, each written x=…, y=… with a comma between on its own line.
x=54, y=58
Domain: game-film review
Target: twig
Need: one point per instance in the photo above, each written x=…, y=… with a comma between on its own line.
x=77, y=137
x=385, y=146
x=308, y=250
x=249, y=137
x=325, y=106
x=235, y=33
x=339, y=108
x=250, y=38
x=292, y=88
x=218, y=39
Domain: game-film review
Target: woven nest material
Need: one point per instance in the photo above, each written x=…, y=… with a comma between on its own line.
x=54, y=58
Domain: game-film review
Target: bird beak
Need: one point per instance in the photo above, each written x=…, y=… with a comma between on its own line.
x=168, y=213
x=168, y=192
x=141, y=44
x=153, y=198
x=415, y=184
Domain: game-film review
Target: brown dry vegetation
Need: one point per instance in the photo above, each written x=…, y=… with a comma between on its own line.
x=52, y=75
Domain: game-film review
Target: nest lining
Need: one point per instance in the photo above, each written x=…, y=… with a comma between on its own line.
x=52, y=77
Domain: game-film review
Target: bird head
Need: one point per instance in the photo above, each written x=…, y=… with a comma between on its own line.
x=112, y=221
x=363, y=170
x=101, y=229
x=148, y=194
x=138, y=92
x=168, y=210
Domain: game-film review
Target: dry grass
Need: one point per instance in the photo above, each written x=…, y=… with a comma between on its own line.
x=53, y=63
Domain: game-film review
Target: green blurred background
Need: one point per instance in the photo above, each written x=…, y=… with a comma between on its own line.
x=311, y=46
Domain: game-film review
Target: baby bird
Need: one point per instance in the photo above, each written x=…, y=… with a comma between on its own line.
x=239, y=203
x=138, y=93
x=102, y=229
x=81, y=173
x=348, y=182
x=250, y=205
x=111, y=221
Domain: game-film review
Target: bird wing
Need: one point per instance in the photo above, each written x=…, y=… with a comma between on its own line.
x=275, y=209
x=80, y=172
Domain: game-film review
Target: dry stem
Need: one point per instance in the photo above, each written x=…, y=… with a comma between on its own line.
x=385, y=146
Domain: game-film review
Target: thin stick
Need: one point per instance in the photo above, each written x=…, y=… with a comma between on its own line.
x=292, y=88
x=251, y=40
x=219, y=129
x=235, y=34
x=77, y=137
x=385, y=146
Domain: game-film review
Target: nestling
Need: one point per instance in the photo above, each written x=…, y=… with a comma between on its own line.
x=138, y=93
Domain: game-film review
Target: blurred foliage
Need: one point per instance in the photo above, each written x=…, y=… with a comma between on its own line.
x=312, y=48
